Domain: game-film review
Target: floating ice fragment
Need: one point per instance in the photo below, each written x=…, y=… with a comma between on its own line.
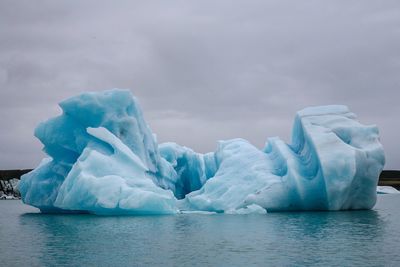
x=387, y=190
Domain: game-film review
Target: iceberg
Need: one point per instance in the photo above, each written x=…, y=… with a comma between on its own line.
x=387, y=190
x=104, y=159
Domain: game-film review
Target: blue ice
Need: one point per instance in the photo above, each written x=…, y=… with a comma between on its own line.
x=104, y=159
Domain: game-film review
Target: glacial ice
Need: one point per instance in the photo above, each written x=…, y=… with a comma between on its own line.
x=104, y=159
x=387, y=190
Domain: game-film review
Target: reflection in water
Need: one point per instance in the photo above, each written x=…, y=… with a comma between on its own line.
x=319, y=238
x=311, y=237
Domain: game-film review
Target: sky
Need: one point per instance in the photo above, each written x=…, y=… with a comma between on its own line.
x=203, y=71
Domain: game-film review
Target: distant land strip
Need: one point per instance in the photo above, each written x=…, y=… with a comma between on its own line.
x=390, y=178
x=387, y=177
x=6, y=175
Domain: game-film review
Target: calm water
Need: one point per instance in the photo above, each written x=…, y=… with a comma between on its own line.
x=357, y=238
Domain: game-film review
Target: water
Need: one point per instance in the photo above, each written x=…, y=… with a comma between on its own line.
x=356, y=238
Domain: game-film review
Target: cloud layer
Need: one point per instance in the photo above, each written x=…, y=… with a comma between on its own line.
x=204, y=70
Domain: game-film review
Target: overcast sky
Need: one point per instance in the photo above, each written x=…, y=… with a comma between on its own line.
x=202, y=70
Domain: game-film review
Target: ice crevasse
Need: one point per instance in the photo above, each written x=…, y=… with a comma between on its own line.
x=104, y=159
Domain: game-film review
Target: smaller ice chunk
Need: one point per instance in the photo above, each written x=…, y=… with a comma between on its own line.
x=198, y=212
x=251, y=209
x=387, y=190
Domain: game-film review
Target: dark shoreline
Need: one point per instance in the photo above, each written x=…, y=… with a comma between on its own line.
x=390, y=178
x=6, y=175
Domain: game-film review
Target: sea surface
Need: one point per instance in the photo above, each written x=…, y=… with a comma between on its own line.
x=351, y=238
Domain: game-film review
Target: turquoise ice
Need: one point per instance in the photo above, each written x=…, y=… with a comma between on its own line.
x=104, y=159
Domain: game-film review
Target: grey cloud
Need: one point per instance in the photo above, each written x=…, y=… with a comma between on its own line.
x=202, y=71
